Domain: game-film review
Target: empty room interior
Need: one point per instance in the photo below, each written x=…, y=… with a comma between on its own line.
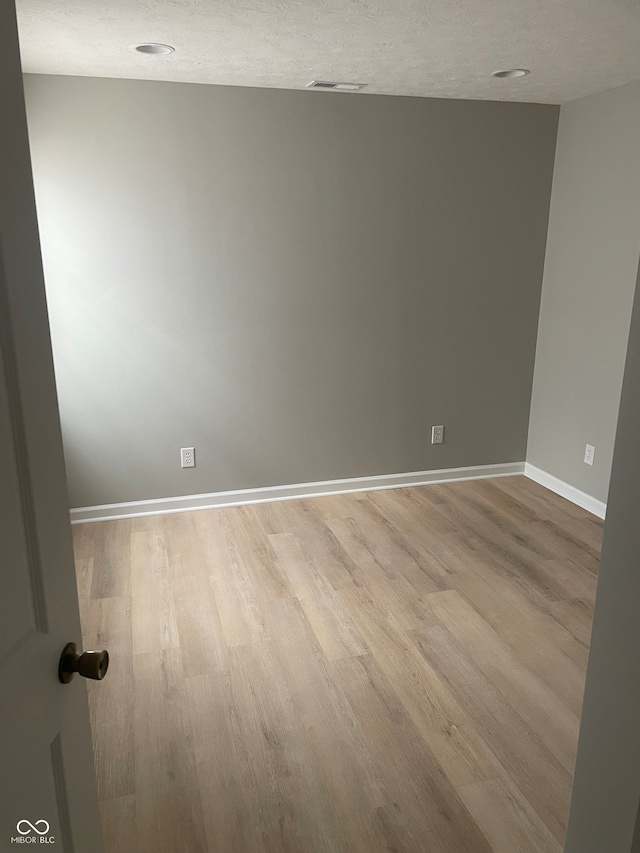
x=340, y=298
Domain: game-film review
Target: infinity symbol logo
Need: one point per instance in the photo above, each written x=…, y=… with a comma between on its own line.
x=33, y=827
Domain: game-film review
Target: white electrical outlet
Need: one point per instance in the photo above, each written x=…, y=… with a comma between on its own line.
x=589, y=454
x=188, y=457
x=437, y=434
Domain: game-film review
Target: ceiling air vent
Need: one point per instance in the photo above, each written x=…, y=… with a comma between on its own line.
x=338, y=87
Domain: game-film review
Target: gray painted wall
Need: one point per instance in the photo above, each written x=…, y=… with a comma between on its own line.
x=589, y=279
x=297, y=283
x=606, y=790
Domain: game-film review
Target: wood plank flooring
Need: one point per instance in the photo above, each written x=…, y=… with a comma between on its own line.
x=392, y=671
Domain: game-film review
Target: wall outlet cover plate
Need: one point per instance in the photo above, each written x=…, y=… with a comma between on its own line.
x=188, y=457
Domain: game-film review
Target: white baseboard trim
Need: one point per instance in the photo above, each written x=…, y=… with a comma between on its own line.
x=162, y=506
x=565, y=490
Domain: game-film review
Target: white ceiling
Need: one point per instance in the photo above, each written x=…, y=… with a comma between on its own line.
x=441, y=48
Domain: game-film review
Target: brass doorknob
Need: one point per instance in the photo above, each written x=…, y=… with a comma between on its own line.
x=88, y=664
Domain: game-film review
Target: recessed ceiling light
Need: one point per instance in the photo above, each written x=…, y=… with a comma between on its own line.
x=338, y=87
x=512, y=72
x=152, y=48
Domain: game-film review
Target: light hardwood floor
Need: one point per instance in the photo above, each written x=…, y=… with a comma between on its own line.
x=392, y=671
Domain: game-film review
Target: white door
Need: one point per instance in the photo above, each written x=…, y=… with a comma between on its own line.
x=47, y=786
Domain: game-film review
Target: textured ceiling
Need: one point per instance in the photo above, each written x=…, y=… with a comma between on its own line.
x=441, y=48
